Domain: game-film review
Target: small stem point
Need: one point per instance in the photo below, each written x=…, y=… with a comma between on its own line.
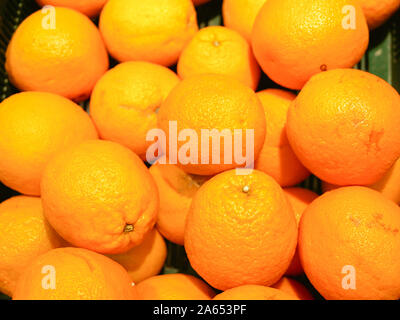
x=246, y=189
x=128, y=228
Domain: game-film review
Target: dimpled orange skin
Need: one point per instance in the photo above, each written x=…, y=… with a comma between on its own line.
x=174, y=287
x=33, y=127
x=25, y=234
x=296, y=39
x=378, y=11
x=277, y=158
x=158, y=33
x=127, y=97
x=213, y=102
x=219, y=50
x=352, y=226
x=240, y=230
x=343, y=126
x=240, y=15
x=299, y=199
x=80, y=274
x=66, y=60
x=294, y=288
x=90, y=8
x=145, y=260
x=100, y=196
x=254, y=292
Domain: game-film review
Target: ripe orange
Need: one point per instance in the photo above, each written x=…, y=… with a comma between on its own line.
x=174, y=287
x=296, y=39
x=343, y=126
x=33, y=127
x=240, y=230
x=145, y=260
x=128, y=96
x=294, y=288
x=99, y=195
x=89, y=7
x=277, y=158
x=207, y=102
x=349, y=245
x=67, y=58
x=254, y=292
x=25, y=234
x=219, y=50
x=79, y=274
x=240, y=15
x=299, y=199
x=378, y=11
x=157, y=33
x=176, y=189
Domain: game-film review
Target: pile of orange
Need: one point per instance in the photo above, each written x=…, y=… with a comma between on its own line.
x=183, y=150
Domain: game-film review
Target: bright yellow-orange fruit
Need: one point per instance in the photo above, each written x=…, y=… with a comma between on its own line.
x=378, y=11
x=343, y=126
x=174, y=287
x=277, y=158
x=240, y=230
x=34, y=126
x=212, y=107
x=74, y=274
x=219, y=50
x=25, y=234
x=99, y=195
x=145, y=260
x=90, y=8
x=64, y=55
x=349, y=245
x=296, y=39
x=125, y=100
x=294, y=288
x=254, y=292
x=151, y=30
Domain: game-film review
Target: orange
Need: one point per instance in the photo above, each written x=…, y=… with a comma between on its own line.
x=157, y=33
x=277, y=158
x=349, y=245
x=294, y=288
x=240, y=15
x=296, y=39
x=66, y=58
x=176, y=189
x=389, y=185
x=208, y=102
x=240, y=230
x=378, y=11
x=254, y=292
x=128, y=96
x=33, y=127
x=99, y=195
x=174, y=287
x=25, y=234
x=343, y=126
x=79, y=274
x=146, y=259
x=299, y=199
x=219, y=50
x=89, y=7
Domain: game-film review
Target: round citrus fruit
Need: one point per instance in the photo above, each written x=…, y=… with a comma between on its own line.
x=99, y=195
x=219, y=50
x=33, y=127
x=174, y=287
x=343, y=126
x=207, y=111
x=295, y=39
x=254, y=292
x=349, y=245
x=63, y=55
x=89, y=7
x=294, y=288
x=74, y=274
x=125, y=100
x=277, y=158
x=378, y=11
x=240, y=230
x=151, y=30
